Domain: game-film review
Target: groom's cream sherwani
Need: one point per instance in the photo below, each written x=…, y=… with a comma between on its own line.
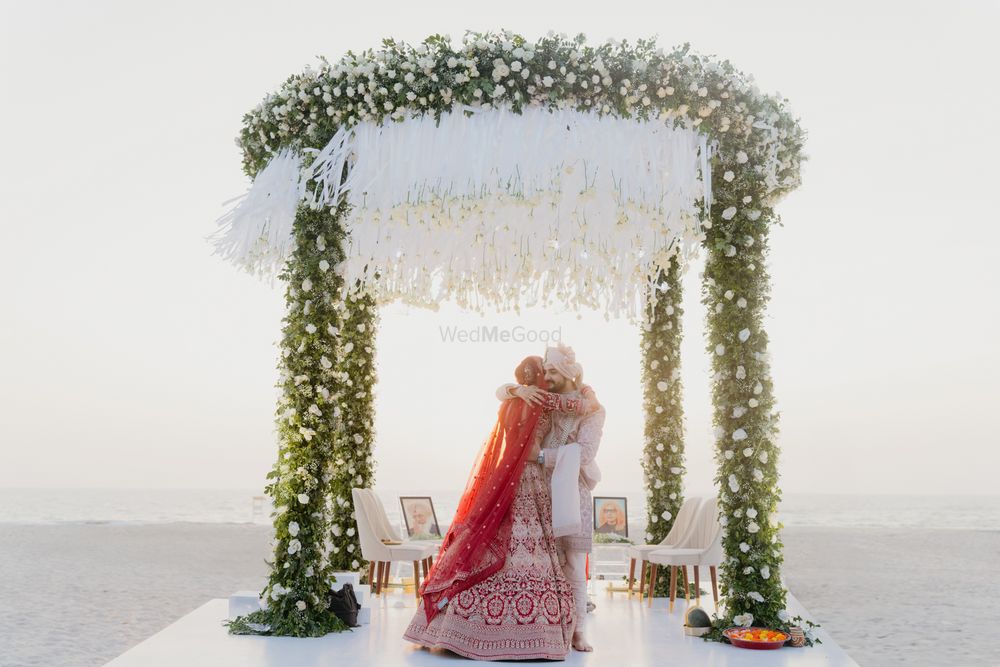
x=586, y=431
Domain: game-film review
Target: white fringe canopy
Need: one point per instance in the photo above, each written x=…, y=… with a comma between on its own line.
x=494, y=208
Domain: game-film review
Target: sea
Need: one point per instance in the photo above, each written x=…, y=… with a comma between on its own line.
x=247, y=506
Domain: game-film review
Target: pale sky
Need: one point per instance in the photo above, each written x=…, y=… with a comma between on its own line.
x=131, y=357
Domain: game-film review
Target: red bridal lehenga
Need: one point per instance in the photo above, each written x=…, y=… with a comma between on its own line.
x=496, y=590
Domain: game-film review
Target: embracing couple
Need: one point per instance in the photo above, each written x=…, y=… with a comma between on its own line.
x=509, y=582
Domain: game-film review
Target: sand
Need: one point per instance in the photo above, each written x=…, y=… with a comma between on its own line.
x=81, y=594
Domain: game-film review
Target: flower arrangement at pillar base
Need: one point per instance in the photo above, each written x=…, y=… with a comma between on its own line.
x=784, y=622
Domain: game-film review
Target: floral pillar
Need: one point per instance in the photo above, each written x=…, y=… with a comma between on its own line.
x=735, y=291
x=663, y=453
x=353, y=465
x=308, y=428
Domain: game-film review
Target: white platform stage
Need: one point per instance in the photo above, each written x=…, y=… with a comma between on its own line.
x=624, y=632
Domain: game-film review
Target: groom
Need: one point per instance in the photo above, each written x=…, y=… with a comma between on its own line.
x=564, y=375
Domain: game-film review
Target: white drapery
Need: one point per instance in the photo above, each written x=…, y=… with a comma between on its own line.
x=495, y=209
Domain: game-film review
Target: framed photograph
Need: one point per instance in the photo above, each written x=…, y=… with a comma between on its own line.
x=611, y=515
x=421, y=520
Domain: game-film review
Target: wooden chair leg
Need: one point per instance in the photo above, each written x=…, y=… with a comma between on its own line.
x=642, y=578
x=697, y=585
x=426, y=564
x=631, y=575
x=371, y=574
x=384, y=584
x=652, y=583
x=377, y=586
x=673, y=587
x=416, y=579
x=715, y=587
x=687, y=593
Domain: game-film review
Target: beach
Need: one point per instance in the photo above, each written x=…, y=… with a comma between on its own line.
x=81, y=594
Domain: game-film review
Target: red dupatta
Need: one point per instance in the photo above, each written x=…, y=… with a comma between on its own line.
x=475, y=546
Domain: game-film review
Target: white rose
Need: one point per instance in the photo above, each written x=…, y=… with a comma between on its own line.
x=765, y=572
x=753, y=402
x=744, y=547
x=301, y=605
x=741, y=157
x=662, y=386
x=741, y=302
x=744, y=620
x=311, y=328
x=325, y=363
x=720, y=349
x=303, y=498
x=744, y=335
x=739, y=434
x=324, y=265
x=755, y=596
x=752, y=527
x=728, y=177
x=547, y=81
x=729, y=213
x=293, y=529
x=752, y=513
x=306, y=285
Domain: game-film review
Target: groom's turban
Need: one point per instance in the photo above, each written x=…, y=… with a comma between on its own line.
x=563, y=359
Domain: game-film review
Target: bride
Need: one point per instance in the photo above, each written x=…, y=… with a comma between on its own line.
x=496, y=590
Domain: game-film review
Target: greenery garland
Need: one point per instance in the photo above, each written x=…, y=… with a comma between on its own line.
x=663, y=452
x=353, y=463
x=735, y=291
x=308, y=424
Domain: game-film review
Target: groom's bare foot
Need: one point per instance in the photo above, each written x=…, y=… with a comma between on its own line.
x=580, y=644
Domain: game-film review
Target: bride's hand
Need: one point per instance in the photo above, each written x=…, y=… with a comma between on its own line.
x=588, y=393
x=529, y=394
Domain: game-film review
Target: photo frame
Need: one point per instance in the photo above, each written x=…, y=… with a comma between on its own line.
x=420, y=518
x=611, y=515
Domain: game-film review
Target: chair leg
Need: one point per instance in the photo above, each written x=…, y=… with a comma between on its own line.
x=384, y=583
x=377, y=587
x=652, y=583
x=416, y=579
x=673, y=587
x=642, y=578
x=631, y=576
x=371, y=574
x=687, y=593
x=697, y=585
x=715, y=587
x=426, y=564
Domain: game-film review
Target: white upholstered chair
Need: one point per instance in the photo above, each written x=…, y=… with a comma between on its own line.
x=638, y=552
x=702, y=547
x=374, y=527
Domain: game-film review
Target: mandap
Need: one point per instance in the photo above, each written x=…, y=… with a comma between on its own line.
x=497, y=173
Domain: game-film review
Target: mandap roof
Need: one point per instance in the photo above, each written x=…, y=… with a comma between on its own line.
x=502, y=171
